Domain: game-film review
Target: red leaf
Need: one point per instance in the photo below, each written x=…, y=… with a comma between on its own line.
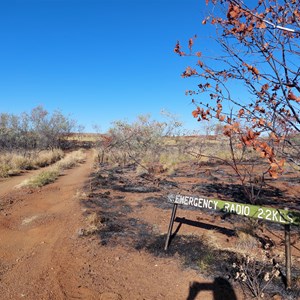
x=292, y=96
x=191, y=42
x=241, y=112
x=195, y=113
x=261, y=25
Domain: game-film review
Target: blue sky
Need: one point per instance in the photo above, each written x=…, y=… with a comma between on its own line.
x=98, y=61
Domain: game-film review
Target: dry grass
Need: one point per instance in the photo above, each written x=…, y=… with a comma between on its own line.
x=71, y=160
x=93, y=221
x=14, y=163
x=165, y=162
x=93, y=224
x=209, y=238
x=41, y=179
x=84, y=137
x=47, y=158
x=210, y=243
x=246, y=243
x=48, y=176
x=170, y=161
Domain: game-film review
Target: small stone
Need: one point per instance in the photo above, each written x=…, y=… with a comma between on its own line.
x=80, y=232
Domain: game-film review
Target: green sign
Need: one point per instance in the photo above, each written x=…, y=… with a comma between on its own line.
x=276, y=215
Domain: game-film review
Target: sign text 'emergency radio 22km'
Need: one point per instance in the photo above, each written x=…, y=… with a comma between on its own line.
x=276, y=215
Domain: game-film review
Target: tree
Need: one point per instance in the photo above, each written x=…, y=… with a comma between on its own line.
x=50, y=130
x=141, y=142
x=37, y=130
x=137, y=139
x=260, y=55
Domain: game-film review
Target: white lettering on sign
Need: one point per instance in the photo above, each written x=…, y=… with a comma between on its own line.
x=273, y=215
x=236, y=208
x=196, y=201
x=248, y=210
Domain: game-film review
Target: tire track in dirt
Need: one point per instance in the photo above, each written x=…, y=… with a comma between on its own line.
x=7, y=185
x=38, y=237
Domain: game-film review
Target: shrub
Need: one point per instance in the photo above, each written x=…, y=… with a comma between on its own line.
x=71, y=160
x=50, y=175
x=246, y=242
x=43, y=178
x=46, y=158
x=254, y=276
x=14, y=163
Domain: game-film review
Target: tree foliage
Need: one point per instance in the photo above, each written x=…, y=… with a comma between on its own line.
x=259, y=55
x=127, y=142
x=37, y=130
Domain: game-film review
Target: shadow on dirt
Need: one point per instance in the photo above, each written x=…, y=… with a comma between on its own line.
x=223, y=230
x=194, y=252
x=119, y=228
x=221, y=288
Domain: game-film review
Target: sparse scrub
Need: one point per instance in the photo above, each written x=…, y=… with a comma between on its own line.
x=133, y=142
x=46, y=158
x=207, y=259
x=246, y=243
x=166, y=162
x=171, y=160
x=71, y=160
x=43, y=178
x=255, y=276
x=50, y=175
x=15, y=163
x=93, y=224
x=38, y=130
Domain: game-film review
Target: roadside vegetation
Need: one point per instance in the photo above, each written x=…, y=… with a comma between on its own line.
x=258, y=53
x=14, y=163
x=157, y=149
x=32, y=140
x=34, y=131
x=53, y=172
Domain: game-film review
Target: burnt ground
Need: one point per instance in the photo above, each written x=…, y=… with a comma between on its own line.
x=133, y=213
x=107, y=241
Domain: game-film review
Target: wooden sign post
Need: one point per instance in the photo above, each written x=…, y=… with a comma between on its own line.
x=281, y=216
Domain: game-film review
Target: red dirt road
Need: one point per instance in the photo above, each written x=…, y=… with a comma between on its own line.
x=37, y=235
x=42, y=256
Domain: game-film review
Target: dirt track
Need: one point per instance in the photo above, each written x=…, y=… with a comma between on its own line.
x=43, y=255
x=38, y=233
